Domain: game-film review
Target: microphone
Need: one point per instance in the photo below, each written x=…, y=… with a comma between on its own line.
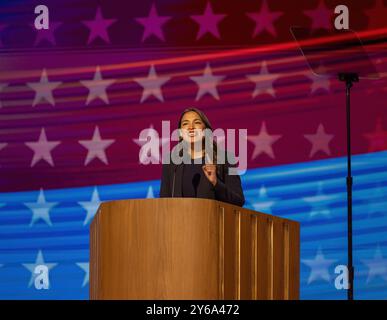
x=195, y=182
x=173, y=183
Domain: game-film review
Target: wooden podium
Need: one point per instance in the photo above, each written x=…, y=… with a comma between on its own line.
x=184, y=248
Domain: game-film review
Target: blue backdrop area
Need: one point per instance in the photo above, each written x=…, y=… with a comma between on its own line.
x=52, y=227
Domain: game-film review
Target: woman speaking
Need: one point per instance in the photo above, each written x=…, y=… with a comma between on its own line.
x=196, y=177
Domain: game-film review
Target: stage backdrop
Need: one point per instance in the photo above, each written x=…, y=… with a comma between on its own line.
x=74, y=99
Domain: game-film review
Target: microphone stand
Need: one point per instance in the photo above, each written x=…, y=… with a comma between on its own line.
x=349, y=78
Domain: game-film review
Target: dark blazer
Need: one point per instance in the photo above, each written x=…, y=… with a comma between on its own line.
x=227, y=189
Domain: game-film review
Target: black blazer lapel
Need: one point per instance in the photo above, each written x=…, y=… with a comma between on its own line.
x=178, y=180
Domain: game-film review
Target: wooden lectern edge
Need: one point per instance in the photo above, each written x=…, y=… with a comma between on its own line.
x=220, y=203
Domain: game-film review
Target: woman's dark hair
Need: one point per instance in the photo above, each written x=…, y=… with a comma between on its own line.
x=207, y=124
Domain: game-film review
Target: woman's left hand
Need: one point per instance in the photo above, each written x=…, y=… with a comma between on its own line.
x=210, y=172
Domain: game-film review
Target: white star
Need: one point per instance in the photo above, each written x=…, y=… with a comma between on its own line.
x=377, y=266
x=263, y=203
x=320, y=202
x=44, y=89
x=40, y=209
x=39, y=261
x=263, y=81
x=150, y=147
x=320, y=141
x=263, y=142
x=2, y=86
x=152, y=85
x=150, y=194
x=207, y=83
x=91, y=206
x=97, y=87
x=319, y=82
x=42, y=148
x=85, y=267
x=319, y=267
x=96, y=147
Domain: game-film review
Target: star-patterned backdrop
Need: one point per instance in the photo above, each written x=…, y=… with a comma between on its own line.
x=74, y=99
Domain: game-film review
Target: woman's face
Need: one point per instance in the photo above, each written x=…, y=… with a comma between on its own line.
x=192, y=127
